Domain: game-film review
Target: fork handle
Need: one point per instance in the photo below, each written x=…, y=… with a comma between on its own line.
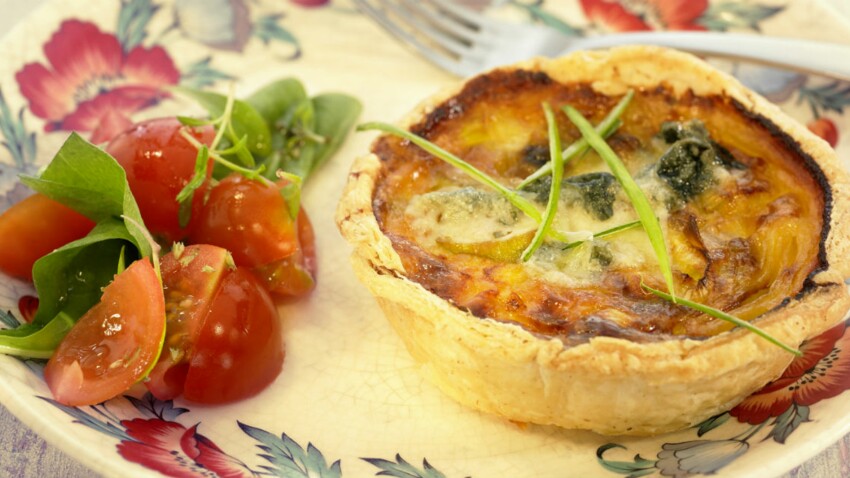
x=829, y=59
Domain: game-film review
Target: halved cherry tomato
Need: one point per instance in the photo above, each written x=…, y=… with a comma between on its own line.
x=190, y=280
x=159, y=162
x=114, y=344
x=240, y=349
x=251, y=219
x=35, y=227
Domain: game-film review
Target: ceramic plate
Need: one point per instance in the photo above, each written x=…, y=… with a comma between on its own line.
x=350, y=401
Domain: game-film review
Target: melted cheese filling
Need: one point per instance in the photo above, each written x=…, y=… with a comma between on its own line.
x=743, y=243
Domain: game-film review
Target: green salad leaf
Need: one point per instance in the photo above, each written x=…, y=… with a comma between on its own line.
x=69, y=280
x=245, y=119
x=335, y=115
x=273, y=100
x=90, y=181
x=32, y=341
x=306, y=131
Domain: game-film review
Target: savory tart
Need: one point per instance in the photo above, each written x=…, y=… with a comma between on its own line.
x=753, y=209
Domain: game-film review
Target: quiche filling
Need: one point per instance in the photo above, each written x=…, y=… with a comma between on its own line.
x=741, y=207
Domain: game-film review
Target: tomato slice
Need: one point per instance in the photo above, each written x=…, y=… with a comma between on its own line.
x=240, y=348
x=159, y=162
x=190, y=279
x=114, y=344
x=35, y=227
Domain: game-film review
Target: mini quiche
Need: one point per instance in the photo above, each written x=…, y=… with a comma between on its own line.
x=752, y=206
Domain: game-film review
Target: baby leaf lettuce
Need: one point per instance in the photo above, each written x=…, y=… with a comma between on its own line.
x=245, y=119
x=298, y=132
x=32, y=341
x=306, y=131
x=70, y=279
x=335, y=115
x=91, y=182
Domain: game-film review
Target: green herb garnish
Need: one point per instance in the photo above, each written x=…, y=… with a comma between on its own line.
x=512, y=196
x=242, y=119
x=278, y=127
x=557, y=162
x=639, y=201
x=605, y=128
x=723, y=316
x=605, y=233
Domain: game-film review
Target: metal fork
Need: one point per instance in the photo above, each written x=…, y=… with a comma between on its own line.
x=465, y=42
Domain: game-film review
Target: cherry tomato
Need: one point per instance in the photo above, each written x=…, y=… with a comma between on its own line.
x=293, y=276
x=159, y=162
x=190, y=279
x=35, y=227
x=251, y=219
x=239, y=350
x=114, y=344
x=826, y=129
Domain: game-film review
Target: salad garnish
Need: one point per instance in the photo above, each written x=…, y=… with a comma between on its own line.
x=276, y=138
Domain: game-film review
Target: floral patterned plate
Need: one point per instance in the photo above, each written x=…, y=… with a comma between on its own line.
x=350, y=401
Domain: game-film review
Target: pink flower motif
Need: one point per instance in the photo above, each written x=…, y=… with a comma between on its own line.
x=822, y=372
x=311, y=3
x=173, y=450
x=91, y=84
x=645, y=14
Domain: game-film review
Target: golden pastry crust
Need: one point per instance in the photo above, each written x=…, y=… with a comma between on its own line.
x=606, y=384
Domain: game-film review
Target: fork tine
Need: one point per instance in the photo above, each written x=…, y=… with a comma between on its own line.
x=470, y=17
x=449, y=63
x=450, y=24
x=425, y=28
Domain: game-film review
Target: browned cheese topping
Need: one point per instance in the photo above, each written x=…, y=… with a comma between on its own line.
x=742, y=209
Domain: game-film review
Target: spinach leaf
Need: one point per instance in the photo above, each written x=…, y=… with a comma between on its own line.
x=69, y=280
x=246, y=120
x=335, y=115
x=30, y=340
x=306, y=131
x=273, y=100
x=300, y=138
x=91, y=182
x=317, y=129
